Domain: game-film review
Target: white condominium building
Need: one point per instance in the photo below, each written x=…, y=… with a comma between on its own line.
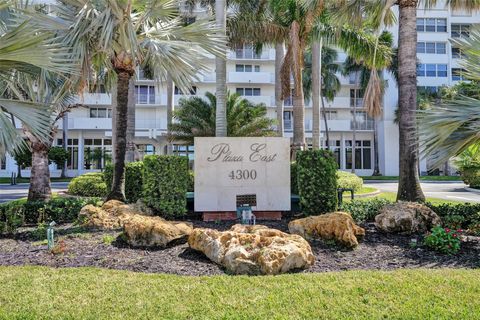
x=251, y=75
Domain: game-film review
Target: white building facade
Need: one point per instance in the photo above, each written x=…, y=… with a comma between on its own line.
x=252, y=76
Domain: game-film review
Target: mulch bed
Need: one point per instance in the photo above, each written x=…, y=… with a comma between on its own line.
x=91, y=248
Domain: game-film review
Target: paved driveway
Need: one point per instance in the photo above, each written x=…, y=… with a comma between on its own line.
x=448, y=190
x=8, y=192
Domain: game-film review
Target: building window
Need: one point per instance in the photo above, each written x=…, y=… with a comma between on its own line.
x=432, y=70
x=330, y=115
x=183, y=150
x=146, y=149
x=356, y=98
x=97, y=153
x=363, y=154
x=458, y=74
x=432, y=47
x=288, y=120
x=248, y=92
x=460, y=30
x=247, y=68
x=247, y=52
x=3, y=163
x=428, y=90
x=362, y=121
x=97, y=88
x=145, y=94
x=100, y=113
x=432, y=25
x=457, y=53
x=193, y=91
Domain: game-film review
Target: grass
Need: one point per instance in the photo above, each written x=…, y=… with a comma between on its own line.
x=6, y=180
x=422, y=178
x=89, y=293
x=392, y=196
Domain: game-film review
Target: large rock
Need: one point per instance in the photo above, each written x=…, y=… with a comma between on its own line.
x=139, y=229
x=253, y=249
x=406, y=217
x=111, y=215
x=338, y=226
x=146, y=231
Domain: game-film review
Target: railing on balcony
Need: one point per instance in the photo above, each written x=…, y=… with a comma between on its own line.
x=362, y=125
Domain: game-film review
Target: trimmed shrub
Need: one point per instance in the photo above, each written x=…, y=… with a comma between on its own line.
x=133, y=180
x=293, y=178
x=191, y=181
x=458, y=216
x=88, y=185
x=349, y=180
x=471, y=176
x=14, y=214
x=317, y=181
x=364, y=210
x=165, y=182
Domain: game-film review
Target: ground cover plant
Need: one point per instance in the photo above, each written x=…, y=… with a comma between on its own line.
x=444, y=240
x=101, y=294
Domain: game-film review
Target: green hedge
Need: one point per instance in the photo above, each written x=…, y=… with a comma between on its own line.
x=317, y=181
x=165, y=182
x=349, y=180
x=293, y=178
x=133, y=180
x=364, y=210
x=21, y=212
x=88, y=185
x=191, y=181
x=471, y=176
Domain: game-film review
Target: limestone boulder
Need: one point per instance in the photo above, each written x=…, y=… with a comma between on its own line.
x=406, y=217
x=147, y=231
x=111, y=215
x=338, y=226
x=253, y=249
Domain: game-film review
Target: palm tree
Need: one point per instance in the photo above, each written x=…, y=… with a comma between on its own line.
x=221, y=72
x=279, y=102
x=409, y=188
x=25, y=48
x=119, y=36
x=450, y=128
x=195, y=117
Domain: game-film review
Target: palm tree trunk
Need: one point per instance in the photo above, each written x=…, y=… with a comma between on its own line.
x=298, y=96
x=354, y=133
x=221, y=74
x=325, y=121
x=114, y=119
x=118, y=185
x=39, y=189
x=64, y=142
x=170, y=107
x=316, y=92
x=130, y=153
x=409, y=188
x=279, y=55
x=376, y=166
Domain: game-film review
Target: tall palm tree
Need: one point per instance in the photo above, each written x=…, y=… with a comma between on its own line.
x=196, y=117
x=25, y=48
x=221, y=72
x=451, y=127
x=279, y=102
x=119, y=36
x=409, y=188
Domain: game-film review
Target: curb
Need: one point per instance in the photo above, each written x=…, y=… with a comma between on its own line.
x=472, y=190
x=366, y=195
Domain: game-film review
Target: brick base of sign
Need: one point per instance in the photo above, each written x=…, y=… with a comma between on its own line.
x=229, y=216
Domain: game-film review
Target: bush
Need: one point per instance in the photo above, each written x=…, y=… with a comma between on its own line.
x=459, y=216
x=347, y=180
x=61, y=210
x=191, y=181
x=317, y=181
x=165, y=182
x=293, y=178
x=443, y=240
x=364, y=210
x=471, y=176
x=88, y=185
x=133, y=180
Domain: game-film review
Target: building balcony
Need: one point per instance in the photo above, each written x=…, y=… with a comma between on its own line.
x=367, y=125
x=89, y=123
x=249, y=54
x=251, y=77
x=94, y=99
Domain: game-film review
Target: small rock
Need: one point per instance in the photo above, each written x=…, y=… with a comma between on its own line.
x=338, y=226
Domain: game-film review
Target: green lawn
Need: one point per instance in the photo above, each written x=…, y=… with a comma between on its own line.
x=6, y=180
x=423, y=178
x=392, y=196
x=89, y=293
